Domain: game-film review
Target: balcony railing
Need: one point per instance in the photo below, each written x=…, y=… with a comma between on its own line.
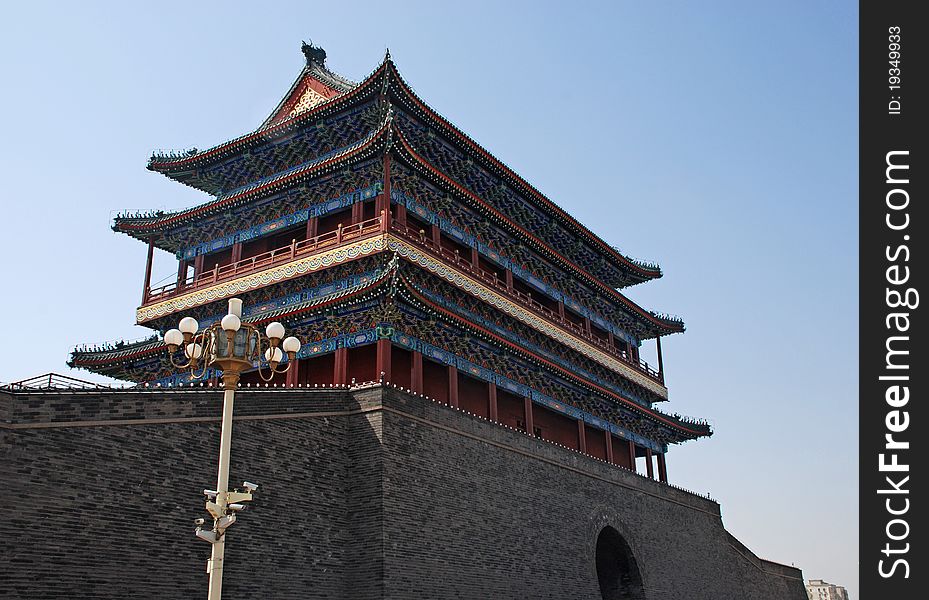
x=260, y=262
x=420, y=238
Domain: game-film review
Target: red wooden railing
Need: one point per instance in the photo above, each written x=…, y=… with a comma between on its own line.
x=420, y=238
x=268, y=259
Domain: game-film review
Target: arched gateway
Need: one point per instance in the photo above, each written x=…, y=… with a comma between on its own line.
x=617, y=569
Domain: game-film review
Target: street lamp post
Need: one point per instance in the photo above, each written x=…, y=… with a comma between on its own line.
x=231, y=346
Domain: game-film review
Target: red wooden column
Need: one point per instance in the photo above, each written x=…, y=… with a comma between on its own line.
x=632, y=455
x=236, y=252
x=383, y=358
x=358, y=212
x=385, y=220
x=181, y=274
x=660, y=362
x=649, y=467
x=293, y=373
x=475, y=257
x=147, y=284
x=400, y=214
x=492, y=400
x=436, y=236
x=312, y=225
x=609, y=446
x=416, y=376
x=527, y=408
x=581, y=436
x=198, y=265
x=662, y=468
x=340, y=371
x=383, y=200
x=453, y=385
x=509, y=280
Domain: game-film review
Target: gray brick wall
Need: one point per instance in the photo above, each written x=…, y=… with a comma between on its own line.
x=364, y=494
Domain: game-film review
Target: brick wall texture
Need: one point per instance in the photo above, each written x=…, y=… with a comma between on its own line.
x=364, y=493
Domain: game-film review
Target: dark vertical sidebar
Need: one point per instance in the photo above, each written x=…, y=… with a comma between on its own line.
x=894, y=367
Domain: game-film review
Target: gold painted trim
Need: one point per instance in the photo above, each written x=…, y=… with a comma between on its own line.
x=289, y=270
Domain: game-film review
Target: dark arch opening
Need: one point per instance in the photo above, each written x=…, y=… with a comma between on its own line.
x=617, y=569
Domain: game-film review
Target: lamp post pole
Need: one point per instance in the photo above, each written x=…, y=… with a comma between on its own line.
x=218, y=553
x=233, y=347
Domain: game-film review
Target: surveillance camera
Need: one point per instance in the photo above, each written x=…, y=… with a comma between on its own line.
x=199, y=521
x=223, y=523
x=210, y=493
x=207, y=536
x=236, y=507
x=250, y=486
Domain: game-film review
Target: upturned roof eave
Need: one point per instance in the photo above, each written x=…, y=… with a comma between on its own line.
x=143, y=228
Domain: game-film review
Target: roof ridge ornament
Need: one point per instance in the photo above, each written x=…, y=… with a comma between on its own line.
x=313, y=54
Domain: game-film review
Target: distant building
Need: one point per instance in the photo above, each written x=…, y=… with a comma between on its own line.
x=817, y=589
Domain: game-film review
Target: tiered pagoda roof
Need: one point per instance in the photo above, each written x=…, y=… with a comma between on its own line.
x=387, y=135
x=293, y=115
x=195, y=168
x=378, y=139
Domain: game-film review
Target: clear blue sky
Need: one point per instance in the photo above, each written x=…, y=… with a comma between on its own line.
x=717, y=138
